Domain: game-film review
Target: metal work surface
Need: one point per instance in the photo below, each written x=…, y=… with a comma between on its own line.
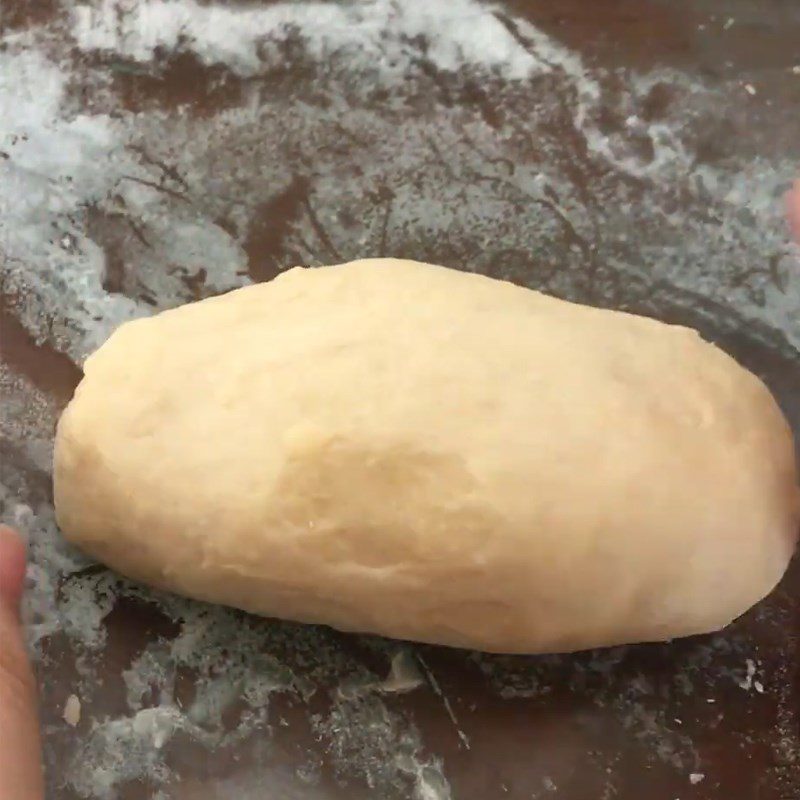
x=626, y=153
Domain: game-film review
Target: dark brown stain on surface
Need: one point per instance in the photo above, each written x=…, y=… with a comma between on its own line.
x=48, y=370
x=23, y=13
x=269, y=226
x=175, y=80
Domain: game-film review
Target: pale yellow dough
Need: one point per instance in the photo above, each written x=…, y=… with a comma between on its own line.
x=393, y=447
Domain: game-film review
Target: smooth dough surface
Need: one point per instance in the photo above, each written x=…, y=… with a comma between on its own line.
x=404, y=449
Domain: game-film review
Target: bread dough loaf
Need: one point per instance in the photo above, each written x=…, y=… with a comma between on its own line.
x=404, y=449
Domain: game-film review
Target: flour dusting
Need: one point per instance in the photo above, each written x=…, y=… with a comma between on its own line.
x=380, y=32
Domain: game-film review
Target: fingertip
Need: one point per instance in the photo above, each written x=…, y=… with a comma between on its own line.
x=20, y=745
x=13, y=558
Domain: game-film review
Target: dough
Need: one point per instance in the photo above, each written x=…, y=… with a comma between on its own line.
x=404, y=449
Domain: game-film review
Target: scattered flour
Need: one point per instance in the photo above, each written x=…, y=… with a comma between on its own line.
x=77, y=185
x=750, y=671
x=72, y=710
x=458, y=33
x=404, y=676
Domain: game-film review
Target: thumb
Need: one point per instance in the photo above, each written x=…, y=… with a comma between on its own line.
x=20, y=753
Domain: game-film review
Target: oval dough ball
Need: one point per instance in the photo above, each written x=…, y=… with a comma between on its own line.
x=404, y=449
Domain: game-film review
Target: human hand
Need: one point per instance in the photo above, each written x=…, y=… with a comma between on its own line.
x=20, y=750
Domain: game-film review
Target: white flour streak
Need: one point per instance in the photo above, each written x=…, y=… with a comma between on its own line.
x=59, y=172
x=457, y=32
x=54, y=167
x=446, y=701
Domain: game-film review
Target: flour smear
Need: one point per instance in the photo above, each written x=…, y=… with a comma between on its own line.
x=452, y=132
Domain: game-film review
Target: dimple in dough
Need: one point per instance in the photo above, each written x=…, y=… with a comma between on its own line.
x=403, y=449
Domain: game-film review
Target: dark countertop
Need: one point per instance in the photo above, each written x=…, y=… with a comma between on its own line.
x=627, y=153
